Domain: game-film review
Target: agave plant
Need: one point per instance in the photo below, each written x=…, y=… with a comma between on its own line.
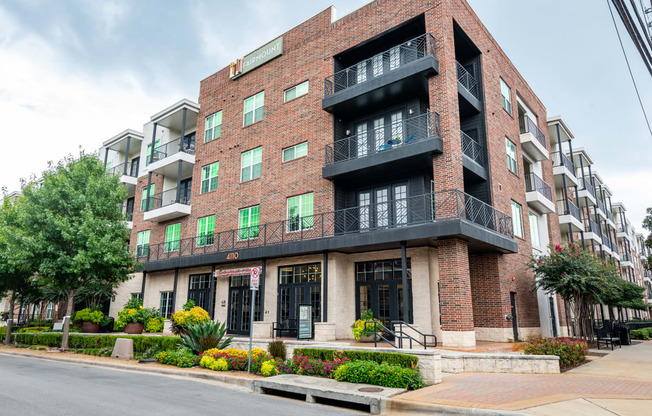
x=205, y=330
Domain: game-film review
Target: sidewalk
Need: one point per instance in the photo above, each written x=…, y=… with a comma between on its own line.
x=619, y=383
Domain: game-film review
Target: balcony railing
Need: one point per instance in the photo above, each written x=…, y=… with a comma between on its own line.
x=560, y=159
x=398, y=134
x=566, y=207
x=533, y=183
x=610, y=215
x=626, y=256
x=128, y=211
x=592, y=227
x=380, y=64
x=132, y=169
x=529, y=126
x=176, y=146
x=600, y=205
x=393, y=214
x=614, y=246
x=606, y=241
x=169, y=197
x=588, y=186
x=467, y=80
x=472, y=149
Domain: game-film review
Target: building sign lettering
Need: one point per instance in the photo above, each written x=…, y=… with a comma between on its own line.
x=256, y=58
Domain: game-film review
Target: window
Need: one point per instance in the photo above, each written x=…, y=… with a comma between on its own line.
x=252, y=164
x=361, y=71
x=209, y=177
x=166, y=304
x=213, y=127
x=300, y=211
x=157, y=144
x=248, y=223
x=137, y=295
x=511, y=155
x=142, y=244
x=296, y=91
x=506, y=96
x=517, y=220
x=49, y=312
x=172, y=236
x=253, y=108
x=107, y=168
x=205, y=231
x=145, y=195
x=296, y=151
x=534, y=230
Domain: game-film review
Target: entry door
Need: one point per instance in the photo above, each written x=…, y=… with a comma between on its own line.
x=239, y=313
x=385, y=299
x=135, y=163
x=382, y=207
x=199, y=291
x=129, y=210
x=512, y=298
x=184, y=190
x=298, y=285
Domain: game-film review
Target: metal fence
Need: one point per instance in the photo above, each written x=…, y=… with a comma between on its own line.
x=380, y=64
x=169, y=197
x=588, y=186
x=592, y=227
x=185, y=144
x=472, y=149
x=398, y=213
x=567, y=207
x=560, y=159
x=533, y=183
x=131, y=169
x=385, y=138
x=529, y=126
x=467, y=80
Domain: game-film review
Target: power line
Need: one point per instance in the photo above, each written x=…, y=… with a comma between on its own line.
x=629, y=68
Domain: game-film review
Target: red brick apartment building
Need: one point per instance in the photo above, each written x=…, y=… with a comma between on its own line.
x=392, y=160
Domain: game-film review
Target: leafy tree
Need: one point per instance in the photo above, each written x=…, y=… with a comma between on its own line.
x=73, y=228
x=14, y=272
x=647, y=224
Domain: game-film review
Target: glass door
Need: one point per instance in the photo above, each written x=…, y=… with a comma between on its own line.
x=298, y=285
x=239, y=313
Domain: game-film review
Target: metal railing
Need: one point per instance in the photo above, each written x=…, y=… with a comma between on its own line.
x=129, y=215
x=600, y=205
x=380, y=64
x=614, y=246
x=472, y=149
x=610, y=215
x=567, y=207
x=626, y=256
x=588, y=186
x=606, y=241
x=417, y=210
x=425, y=337
x=175, y=146
x=398, y=134
x=592, y=227
x=529, y=126
x=467, y=80
x=560, y=159
x=533, y=183
x=169, y=197
x=120, y=169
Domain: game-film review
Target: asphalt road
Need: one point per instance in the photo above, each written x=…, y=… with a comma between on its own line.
x=39, y=387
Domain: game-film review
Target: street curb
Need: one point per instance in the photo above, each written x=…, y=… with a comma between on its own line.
x=420, y=408
x=233, y=380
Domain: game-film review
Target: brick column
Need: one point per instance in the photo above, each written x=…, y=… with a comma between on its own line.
x=455, y=294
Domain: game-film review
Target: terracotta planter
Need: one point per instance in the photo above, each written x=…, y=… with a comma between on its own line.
x=89, y=327
x=134, y=328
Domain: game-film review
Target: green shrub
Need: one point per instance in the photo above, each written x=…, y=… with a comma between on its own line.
x=89, y=315
x=277, y=349
x=183, y=358
x=393, y=358
x=212, y=334
x=640, y=334
x=34, y=329
x=370, y=372
x=570, y=351
x=154, y=325
x=141, y=343
x=360, y=327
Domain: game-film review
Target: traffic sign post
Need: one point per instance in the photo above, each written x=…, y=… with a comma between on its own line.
x=254, y=282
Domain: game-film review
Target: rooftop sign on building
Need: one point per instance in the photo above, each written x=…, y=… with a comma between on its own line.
x=257, y=58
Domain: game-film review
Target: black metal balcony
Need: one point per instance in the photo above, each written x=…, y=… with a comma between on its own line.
x=610, y=215
x=185, y=144
x=169, y=197
x=472, y=149
x=529, y=126
x=401, y=144
x=605, y=241
x=426, y=216
x=533, y=183
x=467, y=80
x=403, y=66
x=127, y=168
x=588, y=186
x=560, y=159
x=567, y=207
x=600, y=205
x=592, y=227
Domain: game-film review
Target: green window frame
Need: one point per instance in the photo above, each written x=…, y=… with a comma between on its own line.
x=254, y=108
x=107, y=168
x=517, y=219
x=296, y=151
x=506, y=96
x=248, y=223
x=148, y=159
x=251, y=164
x=209, y=174
x=296, y=91
x=166, y=306
x=205, y=231
x=510, y=149
x=142, y=244
x=300, y=212
x=145, y=195
x=534, y=230
x=213, y=127
x=172, y=237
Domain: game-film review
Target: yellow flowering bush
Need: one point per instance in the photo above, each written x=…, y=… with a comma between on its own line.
x=206, y=361
x=269, y=368
x=220, y=365
x=233, y=352
x=183, y=318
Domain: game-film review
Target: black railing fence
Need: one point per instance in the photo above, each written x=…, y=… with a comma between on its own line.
x=560, y=159
x=472, y=149
x=397, y=134
x=416, y=210
x=185, y=144
x=567, y=207
x=169, y=197
x=588, y=186
x=380, y=64
x=592, y=227
x=533, y=183
x=529, y=126
x=467, y=80
x=132, y=169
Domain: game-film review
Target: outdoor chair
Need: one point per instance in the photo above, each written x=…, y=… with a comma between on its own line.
x=602, y=335
x=287, y=327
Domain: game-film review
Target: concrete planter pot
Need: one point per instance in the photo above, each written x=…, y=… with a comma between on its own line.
x=134, y=328
x=90, y=327
x=366, y=338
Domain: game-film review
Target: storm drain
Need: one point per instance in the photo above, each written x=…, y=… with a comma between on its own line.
x=312, y=398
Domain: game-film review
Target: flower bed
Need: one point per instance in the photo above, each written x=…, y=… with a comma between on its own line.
x=393, y=358
x=571, y=351
x=141, y=343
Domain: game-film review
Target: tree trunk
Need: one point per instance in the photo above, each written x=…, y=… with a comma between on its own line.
x=10, y=319
x=66, y=322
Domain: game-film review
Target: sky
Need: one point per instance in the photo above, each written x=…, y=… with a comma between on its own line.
x=75, y=73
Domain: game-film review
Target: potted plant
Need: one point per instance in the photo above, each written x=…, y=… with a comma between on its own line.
x=132, y=318
x=366, y=332
x=90, y=320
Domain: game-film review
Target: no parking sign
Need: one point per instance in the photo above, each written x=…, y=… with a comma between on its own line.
x=255, y=278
